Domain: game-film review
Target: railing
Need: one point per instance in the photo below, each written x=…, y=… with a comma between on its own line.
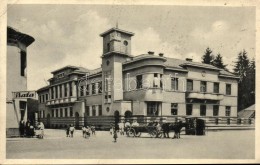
x=105, y=122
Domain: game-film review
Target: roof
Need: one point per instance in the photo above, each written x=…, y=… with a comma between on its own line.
x=252, y=107
x=143, y=57
x=65, y=67
x=116, y=29
x=95, y=71
x=43, y=88
x=249, y=112
x=14, y=35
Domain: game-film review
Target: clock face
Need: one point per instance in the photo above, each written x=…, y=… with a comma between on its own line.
x=125, y=43
x=107, y=62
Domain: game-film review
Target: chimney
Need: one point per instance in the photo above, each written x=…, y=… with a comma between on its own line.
x=161, y=54
x=189, y=59
x=151, y=53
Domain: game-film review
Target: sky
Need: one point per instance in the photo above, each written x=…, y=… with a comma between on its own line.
x=69, y=34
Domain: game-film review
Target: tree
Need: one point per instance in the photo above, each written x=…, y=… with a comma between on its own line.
x=217, y=62
x=208, y=57
x=246, y=85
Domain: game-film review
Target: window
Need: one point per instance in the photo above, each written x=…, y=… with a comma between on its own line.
x=189, y=85
x=87, y=89
x=216, y=88
x=99, y=87
x=228, y=89
x=100, y=110
x=52, y=113
x=23, y=63
x=81, y=90
x=22, y=106
x=46, y=97
x=60, y=91
x=93, y=88
x=71, y=112
x=203, y=86
x=228, y=110
x=57, y=112
x=87, y=110
x=155, y=74
x=161, y=83
x=70, y=87
x=108, y=47
x=65, y=90
x=52, y=93
x=139, y=81
x=61, y=112
x=43, y=113
x=152, y=109
x=202, y=110
x=188, y=109
x=56, y=92
x=174, y=83
x=174, y=109
x=66, y=112
x=93, y=110
x=215, y=110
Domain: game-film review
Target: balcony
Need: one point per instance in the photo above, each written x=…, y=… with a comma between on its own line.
x=150, y=94
x=204, y=96
x=61, y=101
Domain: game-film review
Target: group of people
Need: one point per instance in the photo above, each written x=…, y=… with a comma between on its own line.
x=28, y=129
x=85, y=131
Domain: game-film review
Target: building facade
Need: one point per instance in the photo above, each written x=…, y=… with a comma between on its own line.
x=16, y=79
x=144, y=85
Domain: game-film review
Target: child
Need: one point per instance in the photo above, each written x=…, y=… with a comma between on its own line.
x=84, y=131
x=115, y=134
x=93, y=130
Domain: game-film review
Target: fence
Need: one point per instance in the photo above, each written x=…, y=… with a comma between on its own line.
x=104, y=122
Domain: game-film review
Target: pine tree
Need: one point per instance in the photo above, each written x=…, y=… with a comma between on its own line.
x=208, y=57
x=217, y=62
x=242, y=69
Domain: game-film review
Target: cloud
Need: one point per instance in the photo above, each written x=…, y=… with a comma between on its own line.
x=149, y=40
x=56, y=45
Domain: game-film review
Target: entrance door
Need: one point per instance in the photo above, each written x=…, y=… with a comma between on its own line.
x=48, y=121
x=76, y=120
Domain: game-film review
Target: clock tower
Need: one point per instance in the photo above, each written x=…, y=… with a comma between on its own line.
x=116, y=50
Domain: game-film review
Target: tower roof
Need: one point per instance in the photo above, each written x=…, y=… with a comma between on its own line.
x=116, y=29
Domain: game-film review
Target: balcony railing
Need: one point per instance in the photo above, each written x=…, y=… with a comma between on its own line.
x=204, y=96
x=61, y=100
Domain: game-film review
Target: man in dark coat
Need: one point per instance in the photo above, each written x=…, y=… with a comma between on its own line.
x=166, y=130
x=21, y=128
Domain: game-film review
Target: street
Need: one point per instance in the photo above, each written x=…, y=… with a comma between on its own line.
x=232, y=144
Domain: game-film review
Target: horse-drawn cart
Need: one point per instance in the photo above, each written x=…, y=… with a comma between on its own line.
x=136, y=131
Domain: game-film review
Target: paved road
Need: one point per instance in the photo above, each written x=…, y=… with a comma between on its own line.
x=215, y=145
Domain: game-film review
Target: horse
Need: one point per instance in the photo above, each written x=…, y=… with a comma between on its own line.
x=176, y=127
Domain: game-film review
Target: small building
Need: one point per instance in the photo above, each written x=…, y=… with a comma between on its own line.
x=145, y=86
x=248, y=113
x=16, y=79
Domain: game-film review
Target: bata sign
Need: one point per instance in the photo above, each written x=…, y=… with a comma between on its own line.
x=24, y=94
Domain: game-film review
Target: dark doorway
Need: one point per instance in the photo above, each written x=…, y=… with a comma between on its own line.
x=76, y=120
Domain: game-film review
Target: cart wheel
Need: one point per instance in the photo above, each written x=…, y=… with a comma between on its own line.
x=159, y=134
x=138, y=134
x=131, y=132
x=152, y=134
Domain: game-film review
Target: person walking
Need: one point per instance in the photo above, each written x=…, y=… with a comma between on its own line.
x=84, y=131
x=93, y=130
x=68, y=131
x=115, y=134
x=166, y=130
x=72, y=128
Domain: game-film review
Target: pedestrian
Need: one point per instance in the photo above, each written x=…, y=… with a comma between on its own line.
x=127, y=127
x=41, y=128
x=88, y=131
x=27, y=128
x=71, y=130
x=93, y=130
x=121, y=128
x=31, y=131
x=115, y=134
x=21, y=128
x=166, y=130
x=68, y=131
x=158, y=128
x=84, y=131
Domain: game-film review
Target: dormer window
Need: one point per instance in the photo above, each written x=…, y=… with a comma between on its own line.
x=60, y=75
